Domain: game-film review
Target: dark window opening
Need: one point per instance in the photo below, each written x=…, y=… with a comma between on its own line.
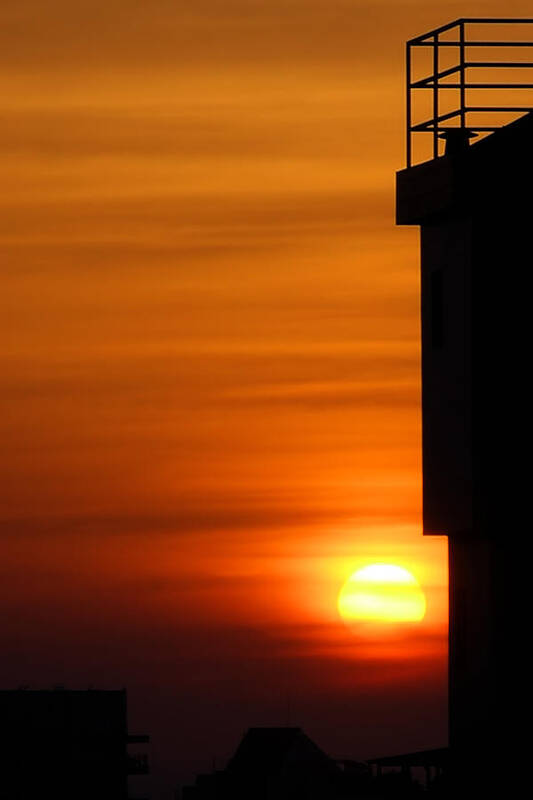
x=437, y=309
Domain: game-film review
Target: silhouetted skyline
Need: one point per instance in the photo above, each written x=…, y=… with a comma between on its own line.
x=211, y=370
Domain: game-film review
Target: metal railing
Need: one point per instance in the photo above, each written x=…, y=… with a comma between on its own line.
x=458, y=78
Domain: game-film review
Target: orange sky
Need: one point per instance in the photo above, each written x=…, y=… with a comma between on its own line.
x=210, y=362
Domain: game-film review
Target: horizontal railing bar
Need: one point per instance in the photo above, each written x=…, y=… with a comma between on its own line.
x=443, y=74
x=498, y=20
x=506, y=64
x=429, y=81
x=430, y=122
x=472, y=44
x=476, y=128
x=476, y=86
x=472, y=21
x=449, y=115
x=442, y=29
x=497, y=109
x=426, y=127
x=422, y=126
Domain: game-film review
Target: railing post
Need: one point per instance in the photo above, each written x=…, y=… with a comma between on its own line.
x=462, y=73
x=436, y=95
x=408, y=111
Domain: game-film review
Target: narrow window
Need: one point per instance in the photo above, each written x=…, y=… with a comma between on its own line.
x=437, y=309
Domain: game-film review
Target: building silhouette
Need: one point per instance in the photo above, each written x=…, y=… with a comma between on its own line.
x=433, y=763
x=285, y=764
x=279, y=764
x=66, y=744
x=474, y=206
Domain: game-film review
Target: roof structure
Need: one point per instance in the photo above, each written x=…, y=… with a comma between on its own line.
x=492, y=166
x=437, y=757
x=273, y=749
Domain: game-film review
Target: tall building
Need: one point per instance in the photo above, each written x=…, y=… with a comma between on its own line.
x=474, y=205
x=66, y=744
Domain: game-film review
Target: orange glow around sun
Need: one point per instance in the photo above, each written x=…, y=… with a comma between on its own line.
x=382, y=593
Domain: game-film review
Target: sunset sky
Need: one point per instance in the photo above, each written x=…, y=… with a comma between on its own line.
x=210, y=366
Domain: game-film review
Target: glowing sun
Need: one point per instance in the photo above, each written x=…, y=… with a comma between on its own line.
x=382, y=593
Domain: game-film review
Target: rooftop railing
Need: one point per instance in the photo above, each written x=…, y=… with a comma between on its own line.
x=459, y=69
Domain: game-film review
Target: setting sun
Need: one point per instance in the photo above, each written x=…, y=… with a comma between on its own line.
x=382, y=593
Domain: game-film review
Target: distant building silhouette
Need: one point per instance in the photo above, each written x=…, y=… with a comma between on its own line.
x=474, y=205
x=66, y=744
x=434, y=764
x=279, y=764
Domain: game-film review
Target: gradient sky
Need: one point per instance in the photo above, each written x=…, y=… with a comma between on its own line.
x=210, y=364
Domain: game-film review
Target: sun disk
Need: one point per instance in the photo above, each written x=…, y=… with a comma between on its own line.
x=382, y=593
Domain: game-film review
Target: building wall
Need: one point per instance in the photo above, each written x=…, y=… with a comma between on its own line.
x=63, y=744
x=475, y=213
x=446, y=279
